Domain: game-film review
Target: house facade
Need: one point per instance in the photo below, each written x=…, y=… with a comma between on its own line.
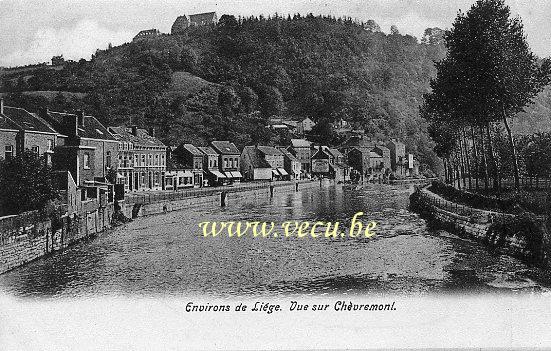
x=397, y=156
x=228, y=159
x=86, y=148
x=305, y=125
x=192, y=159
x=212, y=174
x=274, y=157
x=302, y=150
x=254, y=166
x=21, y=130
x=291, y=164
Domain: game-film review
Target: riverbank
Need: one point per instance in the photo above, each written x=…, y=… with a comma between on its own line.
x=139, y=205
x=522, y=235
x=30, y=236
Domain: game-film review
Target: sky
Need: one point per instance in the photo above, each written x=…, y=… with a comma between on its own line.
x=32, y=31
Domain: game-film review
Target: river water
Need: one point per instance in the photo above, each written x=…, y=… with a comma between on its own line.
x=166, y=254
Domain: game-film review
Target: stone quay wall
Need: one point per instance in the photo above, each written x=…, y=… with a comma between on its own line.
x=150, y=204
x=31, y=235
x=524, y=235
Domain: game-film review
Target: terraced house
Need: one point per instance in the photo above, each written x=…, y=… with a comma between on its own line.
x=86, y=148
x=142, y=162
x=228, y=159
x=21, y=130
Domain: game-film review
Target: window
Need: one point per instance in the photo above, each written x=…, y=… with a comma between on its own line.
x=225, y=162
x=50, y=145
x=35, y=149
x=8, y=151
x=149, y=159
x=108, y=159
x=136, y=158
x=236, y=162
x=163, y=160
x=156, y=159
x=143, y=160
x=86, y=161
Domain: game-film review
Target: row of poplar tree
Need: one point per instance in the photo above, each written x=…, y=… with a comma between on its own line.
x=488, y=75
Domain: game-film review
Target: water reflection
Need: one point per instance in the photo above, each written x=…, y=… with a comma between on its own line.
x=165, y=255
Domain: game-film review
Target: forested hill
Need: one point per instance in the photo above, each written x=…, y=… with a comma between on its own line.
x=243, y=71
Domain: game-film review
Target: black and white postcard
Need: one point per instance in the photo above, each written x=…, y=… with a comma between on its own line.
x=250, y=174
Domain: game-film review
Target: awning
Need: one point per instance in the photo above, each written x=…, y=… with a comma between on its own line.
x=217, y=174
x=229, y=175
x=235, y=174
x=120, y=176
x=275, y=172
x=282, y=171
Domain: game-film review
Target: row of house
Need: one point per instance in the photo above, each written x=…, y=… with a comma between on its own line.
x=95, y=156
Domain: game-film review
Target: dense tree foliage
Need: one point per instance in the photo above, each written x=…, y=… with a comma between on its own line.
x=25, y=183
x=295, y=67
x=488, y=75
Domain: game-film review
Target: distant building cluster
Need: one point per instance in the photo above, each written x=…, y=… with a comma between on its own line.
x=94, y=159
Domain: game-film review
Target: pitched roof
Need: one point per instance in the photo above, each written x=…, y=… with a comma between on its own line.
x=225, y=147
x=142, y=137
x=334, y=152
x=320, y=154
x=24, y=120
x=300, y=143
x=289, y=155
x=207, y=150
x=193, y=150
x=256, y=157
x=269, y=150
x=92, y=128
x=201, y=18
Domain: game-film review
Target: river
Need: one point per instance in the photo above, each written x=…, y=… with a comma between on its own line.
x=166, y=254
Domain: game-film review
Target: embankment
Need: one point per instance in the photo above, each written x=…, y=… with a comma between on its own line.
x=31, y=235
x=523, y=235
x=150, y=204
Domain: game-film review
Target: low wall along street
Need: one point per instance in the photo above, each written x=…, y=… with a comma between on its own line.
x=522, y=235
x=150, y=204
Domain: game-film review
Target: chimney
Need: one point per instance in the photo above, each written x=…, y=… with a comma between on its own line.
x=151, y=131
x=71, y=121
x=1, y=105
x=134, y=130
x=80, y=115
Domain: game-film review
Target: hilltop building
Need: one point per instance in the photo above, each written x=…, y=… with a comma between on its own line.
x=201, y=19
x=147, y=34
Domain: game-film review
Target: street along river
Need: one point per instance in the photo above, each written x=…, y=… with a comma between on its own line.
x=167, y=254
